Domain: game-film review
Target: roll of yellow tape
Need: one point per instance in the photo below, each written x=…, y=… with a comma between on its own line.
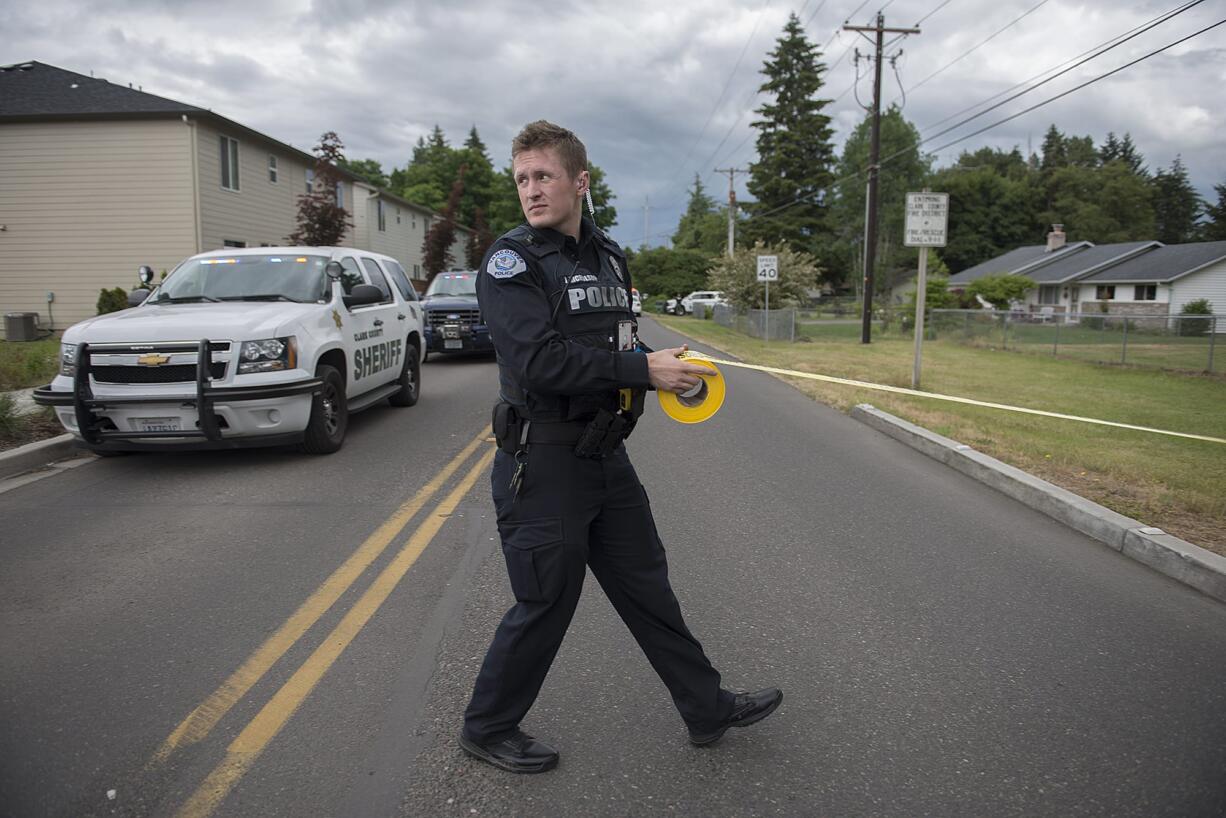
x=702, y=404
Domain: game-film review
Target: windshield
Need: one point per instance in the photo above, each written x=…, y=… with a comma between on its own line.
x=247, y=278
x=453, y=284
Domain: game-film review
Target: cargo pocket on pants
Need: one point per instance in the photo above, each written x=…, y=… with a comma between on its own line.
x=535, y=558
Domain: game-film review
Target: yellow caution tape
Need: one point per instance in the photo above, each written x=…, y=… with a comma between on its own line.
x=699, y=412
x=702, y=404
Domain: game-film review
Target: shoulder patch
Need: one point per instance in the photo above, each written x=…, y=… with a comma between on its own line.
x=505, y=264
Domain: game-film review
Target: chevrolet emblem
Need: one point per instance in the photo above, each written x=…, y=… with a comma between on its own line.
x=152, y=359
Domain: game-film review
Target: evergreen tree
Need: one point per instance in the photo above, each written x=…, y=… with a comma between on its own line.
x=990, y=212
x=1176, y=204
x=1132, y=157
x=1055, y=152
x=322, y=222
x=792, y=176
x=702, y=227
x=1214, y=228
x=1103, y=205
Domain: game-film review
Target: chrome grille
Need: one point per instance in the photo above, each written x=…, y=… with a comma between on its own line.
x=439, y=317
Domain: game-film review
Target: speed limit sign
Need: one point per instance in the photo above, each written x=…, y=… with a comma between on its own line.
x=768, y=268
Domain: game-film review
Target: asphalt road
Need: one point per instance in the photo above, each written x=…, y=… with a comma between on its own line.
x=943, y=650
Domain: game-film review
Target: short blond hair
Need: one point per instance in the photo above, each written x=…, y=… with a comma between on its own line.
x=543, y=134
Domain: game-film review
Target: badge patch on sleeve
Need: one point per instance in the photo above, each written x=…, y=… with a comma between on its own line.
x=505, y=264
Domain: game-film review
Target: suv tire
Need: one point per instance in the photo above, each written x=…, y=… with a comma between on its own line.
x=410, y=378
x=325, y=432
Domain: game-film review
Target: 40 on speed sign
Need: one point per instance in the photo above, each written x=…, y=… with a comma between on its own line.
x=768, y=268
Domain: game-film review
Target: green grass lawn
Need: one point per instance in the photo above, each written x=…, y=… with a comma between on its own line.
x=24, y=364
x=1178, y=485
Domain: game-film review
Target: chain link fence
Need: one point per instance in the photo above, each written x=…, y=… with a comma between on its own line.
x=780, y=324
x=1187, y=342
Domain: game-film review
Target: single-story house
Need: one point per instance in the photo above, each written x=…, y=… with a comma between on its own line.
x=1160, y=281
x=1126, y=278
x=98, y=178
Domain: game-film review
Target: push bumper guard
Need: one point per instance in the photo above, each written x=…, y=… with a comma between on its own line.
x=207, y=436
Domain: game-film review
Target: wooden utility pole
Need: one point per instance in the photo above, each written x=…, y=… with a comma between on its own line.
x=870, y=222
x=731, y=205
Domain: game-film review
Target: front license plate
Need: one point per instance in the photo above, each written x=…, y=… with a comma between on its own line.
x=453, y=344
x=157, y=424
x=451, y=331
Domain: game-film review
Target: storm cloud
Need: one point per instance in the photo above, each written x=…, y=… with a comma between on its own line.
x=636, y=80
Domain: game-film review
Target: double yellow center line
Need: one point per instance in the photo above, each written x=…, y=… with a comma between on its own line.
x=246, y=748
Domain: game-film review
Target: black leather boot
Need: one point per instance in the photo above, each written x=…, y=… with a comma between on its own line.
x=518, y=753
x=747, y=709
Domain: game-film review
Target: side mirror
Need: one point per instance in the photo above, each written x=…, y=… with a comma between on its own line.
x=137, y=297
x=363, y=294
x=146, y=274
x=334, y=270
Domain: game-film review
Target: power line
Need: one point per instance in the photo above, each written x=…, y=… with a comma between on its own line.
x=1076, y=87
x=986, y=128
x=727, y=83
x=934, y=11
x=1119, y=37
x=1137, y=32
x=981, y=43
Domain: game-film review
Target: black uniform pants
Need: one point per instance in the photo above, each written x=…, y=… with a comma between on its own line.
x=572, y=513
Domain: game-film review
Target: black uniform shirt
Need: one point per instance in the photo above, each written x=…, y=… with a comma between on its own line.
x=552, y=306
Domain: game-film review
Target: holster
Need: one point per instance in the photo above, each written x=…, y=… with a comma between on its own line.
x=508, y=427
x=603, y=434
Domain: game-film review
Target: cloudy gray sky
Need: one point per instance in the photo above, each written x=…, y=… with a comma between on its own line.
x=657, y=90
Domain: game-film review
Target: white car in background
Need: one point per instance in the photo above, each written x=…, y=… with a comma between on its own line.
x=702, y=298
x=636, y=302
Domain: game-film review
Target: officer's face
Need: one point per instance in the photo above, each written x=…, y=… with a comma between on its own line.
x=549, y=195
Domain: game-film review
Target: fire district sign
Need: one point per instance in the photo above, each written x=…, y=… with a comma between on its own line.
x=927, y=217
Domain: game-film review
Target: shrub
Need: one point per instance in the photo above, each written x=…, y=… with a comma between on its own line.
x=112, y=300
x=10, y=421
x=1001, y=289
x=737, y=277
x=1196, y=325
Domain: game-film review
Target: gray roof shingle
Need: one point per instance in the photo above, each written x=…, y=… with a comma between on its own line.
x=1084, y=261
x=35, y=90
x=1007, y=263
x=1163, y=263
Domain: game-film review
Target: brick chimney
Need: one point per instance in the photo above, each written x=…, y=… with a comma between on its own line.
x=1055, y=239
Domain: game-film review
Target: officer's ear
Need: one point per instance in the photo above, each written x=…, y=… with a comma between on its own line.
x=583, y=181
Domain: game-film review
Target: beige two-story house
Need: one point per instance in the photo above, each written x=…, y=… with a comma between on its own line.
x=98, y=178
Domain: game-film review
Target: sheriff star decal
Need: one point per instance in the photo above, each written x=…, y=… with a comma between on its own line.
x=336, y=316
x=505, y=264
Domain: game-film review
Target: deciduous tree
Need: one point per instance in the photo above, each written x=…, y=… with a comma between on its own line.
x=321, y=220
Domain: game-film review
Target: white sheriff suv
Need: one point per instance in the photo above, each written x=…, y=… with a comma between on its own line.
x=243, y=347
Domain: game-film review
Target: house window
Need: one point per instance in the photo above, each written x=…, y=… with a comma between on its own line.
x=1145, y=292
x=229, y=163
x=1049, y=294
x=233, y=243
x=1105, y=292
x=272, y=168
x=340, y=194
x=397, y=215
x=416, y=271
x=310, y=181
x=382, y=213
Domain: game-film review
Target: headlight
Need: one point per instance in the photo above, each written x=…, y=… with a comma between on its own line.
x=68, y=359
x=269, y=355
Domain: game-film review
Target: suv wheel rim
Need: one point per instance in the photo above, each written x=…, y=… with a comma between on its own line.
x=331, y=416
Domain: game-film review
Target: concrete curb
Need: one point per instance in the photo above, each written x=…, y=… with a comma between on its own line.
x=1178, y=559
x=36, y=455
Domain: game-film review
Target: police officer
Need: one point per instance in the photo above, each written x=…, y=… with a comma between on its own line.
x=572, y=379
